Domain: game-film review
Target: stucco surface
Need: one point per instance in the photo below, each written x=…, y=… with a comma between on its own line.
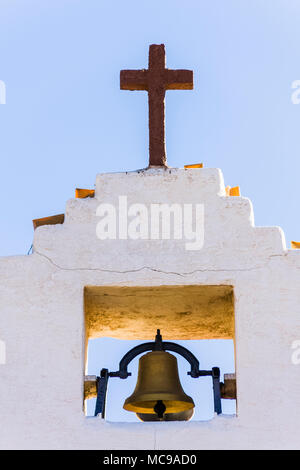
x=42, y=318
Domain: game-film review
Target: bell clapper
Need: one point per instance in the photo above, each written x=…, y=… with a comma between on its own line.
x=159, y=409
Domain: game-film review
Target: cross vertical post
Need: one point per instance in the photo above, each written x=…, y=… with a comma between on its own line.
x=156, y=104
x=156, y=80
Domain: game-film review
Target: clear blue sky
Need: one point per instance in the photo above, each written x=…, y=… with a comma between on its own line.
x=66, y=119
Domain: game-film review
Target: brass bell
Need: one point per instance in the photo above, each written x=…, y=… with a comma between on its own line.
x=158, y=390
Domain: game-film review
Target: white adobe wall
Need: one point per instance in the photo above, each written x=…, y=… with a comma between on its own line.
x=42, y=319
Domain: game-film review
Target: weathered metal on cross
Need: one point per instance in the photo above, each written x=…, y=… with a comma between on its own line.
x=156, y=80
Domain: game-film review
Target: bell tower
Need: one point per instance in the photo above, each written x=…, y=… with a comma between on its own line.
x=144, y=250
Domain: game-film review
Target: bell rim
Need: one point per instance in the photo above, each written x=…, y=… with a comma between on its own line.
x=146, y=406
x=167, y=416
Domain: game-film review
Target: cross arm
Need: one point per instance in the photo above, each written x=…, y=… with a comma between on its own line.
x=179, y=79
x=134, y=79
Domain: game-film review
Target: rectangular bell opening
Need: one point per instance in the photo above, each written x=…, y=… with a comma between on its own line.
x=200, y=318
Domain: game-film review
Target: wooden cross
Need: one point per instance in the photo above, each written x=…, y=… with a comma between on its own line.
x=156, y=80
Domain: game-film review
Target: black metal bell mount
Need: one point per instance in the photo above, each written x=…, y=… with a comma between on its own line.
x=158, y=395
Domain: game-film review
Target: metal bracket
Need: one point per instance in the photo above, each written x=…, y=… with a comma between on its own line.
x=157, y=345
x=217, y=390
x=101, y=393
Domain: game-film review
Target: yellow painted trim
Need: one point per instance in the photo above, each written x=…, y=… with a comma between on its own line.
x=295, y=245
x=195, y=165
x=52, y=220
x=82, y=193
x=235, y=191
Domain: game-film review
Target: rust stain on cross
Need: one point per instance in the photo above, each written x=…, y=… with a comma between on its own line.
x=156, y=80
